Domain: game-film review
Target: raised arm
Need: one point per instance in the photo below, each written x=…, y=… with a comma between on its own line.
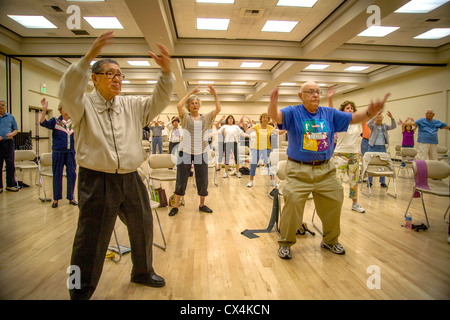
x=273, y=111
x=44, y=104
x=372, y=110
x=216, y=98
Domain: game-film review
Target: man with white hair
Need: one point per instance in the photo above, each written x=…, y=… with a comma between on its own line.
x=427, y=140
x=311, y=129
x=8, y=129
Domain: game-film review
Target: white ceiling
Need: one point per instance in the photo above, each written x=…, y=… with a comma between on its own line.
x=325, y=34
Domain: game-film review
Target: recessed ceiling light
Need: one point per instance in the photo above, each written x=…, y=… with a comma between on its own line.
x=239, y=82
x=251, y=64
x=126, y=81
x=436, y=33
x=356, y=68
x=212, y=24
x=206, y=82
x=208, y=63
x=104, y=22
x=279, y=26
x=420, y=6
x=137, y=63
x=377, y=31
x=317, y=66
x=215, y=1
x=151, y=81
x=85, y=0
x=33, y=22
x=322, y=84
x=288, y=84
x=297, y=3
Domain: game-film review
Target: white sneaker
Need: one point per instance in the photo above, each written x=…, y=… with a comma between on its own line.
x=250, y=184
x=239, y=175
x=356, y=207
x=225, y=175
x=335, y=248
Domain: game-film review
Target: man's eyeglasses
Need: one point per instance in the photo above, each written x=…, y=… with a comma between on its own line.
x=312, y=92
x=112, y=75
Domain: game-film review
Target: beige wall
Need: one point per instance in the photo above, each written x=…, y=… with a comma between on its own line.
x=410, y=97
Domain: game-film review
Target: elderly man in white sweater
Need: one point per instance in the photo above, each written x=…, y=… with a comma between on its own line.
x=108, y=130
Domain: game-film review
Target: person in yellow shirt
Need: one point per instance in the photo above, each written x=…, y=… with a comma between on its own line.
x=262, y=146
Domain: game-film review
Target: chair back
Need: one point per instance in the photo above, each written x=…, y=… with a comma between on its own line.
x=281, y=170
x=160, y=161
x=435, y=169
x=409, y=152
x=46, y=160
x=24, y=155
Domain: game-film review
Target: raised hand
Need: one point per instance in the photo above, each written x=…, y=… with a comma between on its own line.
x=163, y=60
x=377, y=106
x=105, y=39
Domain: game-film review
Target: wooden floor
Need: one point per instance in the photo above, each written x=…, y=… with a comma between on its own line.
x=207, y=257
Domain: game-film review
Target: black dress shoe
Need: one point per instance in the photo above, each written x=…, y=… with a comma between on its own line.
x=204, y=208
x=153, y=280
x=55, y=204
x=173, y=212
x=73, y=202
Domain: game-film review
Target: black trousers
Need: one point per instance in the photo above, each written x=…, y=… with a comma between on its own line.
x=7, y=155
x=101, y=198
x=184, y=165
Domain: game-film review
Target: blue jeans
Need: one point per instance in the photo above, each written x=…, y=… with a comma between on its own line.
x=377, y=148
x=157, y=141
x=255, y=158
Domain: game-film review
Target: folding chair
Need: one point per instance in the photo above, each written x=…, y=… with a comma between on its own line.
x=45, y=170
x=407, y=155
x=158, y=166
x=378, y=164
x=428, y=179
x=24, y=160
x=275, y=157
x=154, y=205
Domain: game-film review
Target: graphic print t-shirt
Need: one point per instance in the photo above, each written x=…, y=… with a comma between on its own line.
x=311, y=135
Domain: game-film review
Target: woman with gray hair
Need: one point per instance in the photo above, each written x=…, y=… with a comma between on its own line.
x=194, y=146
x=63, y=152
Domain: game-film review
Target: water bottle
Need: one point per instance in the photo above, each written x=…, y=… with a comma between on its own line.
x=408, y=220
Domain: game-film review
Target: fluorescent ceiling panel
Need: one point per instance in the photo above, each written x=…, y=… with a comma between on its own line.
x=317, y=66
x=208, y=63
x=33, y=22
x=420, y=6
x=104, y=22
x=151, y=81
x=297, y=3
x=212, y=24
x=142, y=63
x=356, y=68
x=239, y=82
x=251, y=64
x=206, y=82
x=85, y=0
x=288, y=84
x=279, y=26
x=436, y=33
x=377, y=31
x=215, y=1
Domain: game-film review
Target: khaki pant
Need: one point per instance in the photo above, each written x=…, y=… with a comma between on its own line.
x=328, y=194
x=425, y=150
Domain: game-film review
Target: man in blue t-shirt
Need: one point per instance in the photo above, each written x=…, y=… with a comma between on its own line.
x=8, y=129
x=427, y=140
x=311, y=131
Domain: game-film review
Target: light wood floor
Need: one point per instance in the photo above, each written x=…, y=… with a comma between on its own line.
x=208, y=258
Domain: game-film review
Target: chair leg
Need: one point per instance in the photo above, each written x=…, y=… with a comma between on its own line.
x=163, y=247
x=424, y=210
